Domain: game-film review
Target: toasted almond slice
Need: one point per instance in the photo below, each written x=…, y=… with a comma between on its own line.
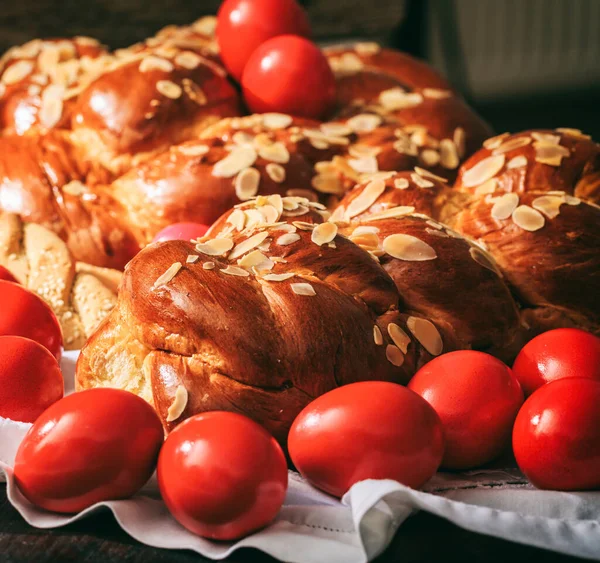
x=178, y=405
x=517, y=162
x=208, y=265
x=573, y=132
x=242, y=138
x=303, y=289
x=427, y=334
x=336, y=129
x=270, y=214
x=401, y=183
x=399, y=337
x=364, y=122
x=550, y=154
x=235, y=271
x=394, y=355
x=248, y=244
x=377, y=336
x=460, y=140
x=420, y=181
x=449, y=158
x=361, y=151
x=495, y=142
x=277, y=152
x=276, y=172
x=324, y=233
x=278, y=277
x=367, y=48
x=169, y=89
x=365, y=229
x=215, y=247
x=367, y=241
x=436, y=93
x=488, y=187
x=51, y=105
x=237, y=219
x=483, y=171
x=409, y=248
x=188, y=60
x=237, y=160
x=406, y=146
x=430, y=157
x=257, y=260
x=287, y=239
x=246, y=183
x=504, y=206
x=572, y=200
x=364, y=165
x=392, y=213
x=286, y=227
x=17, y=72
x=318, y=135
x=303, y=193
x=152, y=62
x=397, y=98
x=546, y=138
x=168, y=275
x=193, y=150
x=549, y=205
x=192, y=259
x=276, y=120
x=512, y=144
x=367, y=197
x=328, y=184
x=527, y=218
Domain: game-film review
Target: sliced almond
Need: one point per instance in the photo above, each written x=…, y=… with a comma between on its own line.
x=188, y=60
x=277, y=152
x=178, y=405
x=336, y=129
x=460, y=141
x=287, y=239
x=269, y=213
x=276, y=120
x=483, y=259
x=377, y=336
x=257, y=260
x=17, y=72
x=303, y=289
x=215, y=247
x=328, y=184
x=52, y=105
x=208, y=265
x=547, y=153
x=365, y=229
x=549, y=205
x=488, y=187
x=367, y=241
x=324, y=233
x=392, y=213
x=483, y=171
x=572, y=200
x=504, y=206
x=436, y=93
x=276, y=172
x=427, y=334
x=366, y=198
x=394, y=355
x=546, y=138
x=361, y=151
x=168, y=275
x=364, y=122
x=399, y=337
x=152, y=62
x=401, y=183
x=169, y=89
x=512, y=144
x=396, y=99
x=409, y=248
x=246, y=183
x=193, y=150
x=248, y=244
x=237, y=219
x=364, y=165
x=237, y=160
x=573, y=132
x=517, y=162
x=235, y=271
x=420, y=181
x=528, y=218
x=192, y=259
x=495, y=142
x=278, y=277
x=367, y=49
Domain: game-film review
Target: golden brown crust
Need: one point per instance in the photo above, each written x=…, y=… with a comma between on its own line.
x=287, y=339
x=42, y=182
x=41, y=261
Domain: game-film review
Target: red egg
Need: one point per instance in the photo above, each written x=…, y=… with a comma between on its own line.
x=6, y=275
x=181, y=231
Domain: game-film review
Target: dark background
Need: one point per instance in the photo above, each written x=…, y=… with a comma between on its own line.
x=521, y=63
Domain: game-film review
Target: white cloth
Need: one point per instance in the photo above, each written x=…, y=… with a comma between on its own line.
x=313, y=527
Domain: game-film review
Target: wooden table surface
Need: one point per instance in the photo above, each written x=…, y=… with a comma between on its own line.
x=98, y=539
